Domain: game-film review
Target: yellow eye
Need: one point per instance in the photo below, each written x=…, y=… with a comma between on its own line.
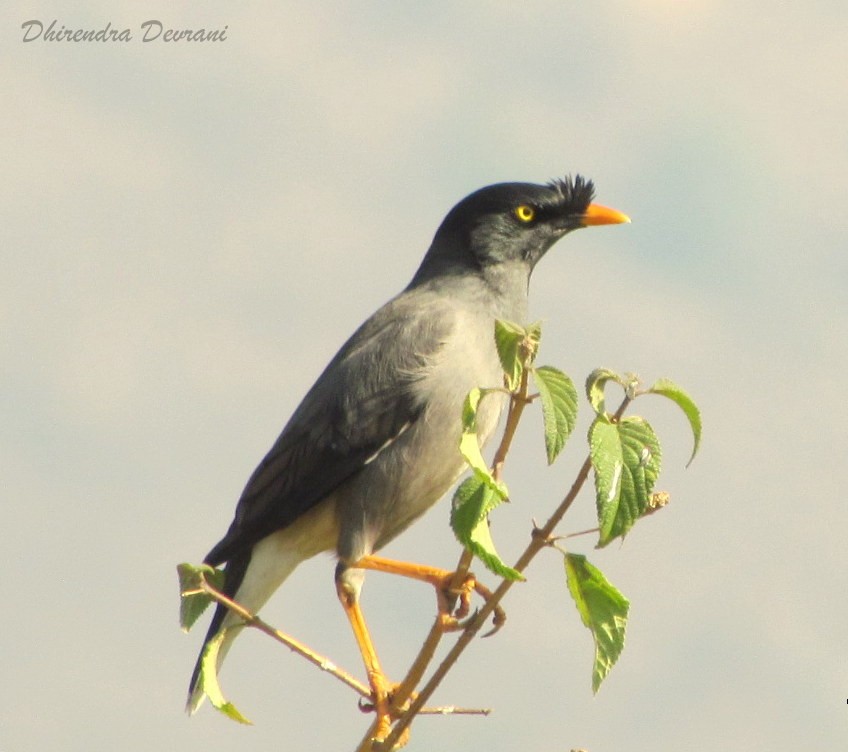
x=525, y=213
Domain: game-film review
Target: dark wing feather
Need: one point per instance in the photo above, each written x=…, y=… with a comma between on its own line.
x=360, y=403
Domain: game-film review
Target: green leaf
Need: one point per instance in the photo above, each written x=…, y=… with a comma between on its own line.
x=603, y=610
x=672, y=391
x=472, y=503
x=559, y=407
x=626, y=460
x=517, y=347
x=193, y=601
x=595, y=385
x=532, y=341
x=209, y=679
x=477, y=495
x=469, y=444
x=508, y=337
x=483, y=547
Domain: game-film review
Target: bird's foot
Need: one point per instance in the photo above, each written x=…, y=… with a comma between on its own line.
x=454, y=619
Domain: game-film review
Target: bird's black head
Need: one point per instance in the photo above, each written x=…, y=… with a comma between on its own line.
x=512, y=223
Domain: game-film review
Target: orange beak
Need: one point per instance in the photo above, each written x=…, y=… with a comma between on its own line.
x=602, y=215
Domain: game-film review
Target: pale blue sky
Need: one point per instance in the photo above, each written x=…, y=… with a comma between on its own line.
x=188, y=232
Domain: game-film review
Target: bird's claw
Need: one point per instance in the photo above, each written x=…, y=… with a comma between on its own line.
x=498, y=620
x=459, y=618
x=367, y=704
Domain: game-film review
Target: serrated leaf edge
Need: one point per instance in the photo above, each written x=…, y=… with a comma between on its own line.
x=604, y=660
x=555, y=439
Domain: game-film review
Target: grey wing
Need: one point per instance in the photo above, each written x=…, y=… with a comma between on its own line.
x=361, y=402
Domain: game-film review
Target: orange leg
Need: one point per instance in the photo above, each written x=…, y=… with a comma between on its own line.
x=376, y=677
x=440, y=579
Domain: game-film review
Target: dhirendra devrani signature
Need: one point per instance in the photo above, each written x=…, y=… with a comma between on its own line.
x=150, y=31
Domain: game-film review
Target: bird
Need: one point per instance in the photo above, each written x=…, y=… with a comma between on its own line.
x=375, y=442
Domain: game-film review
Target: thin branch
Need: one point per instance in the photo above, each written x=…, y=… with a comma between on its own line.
x=517, y=402
x=252, y=620
x=453, y=710
x=582, y=532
